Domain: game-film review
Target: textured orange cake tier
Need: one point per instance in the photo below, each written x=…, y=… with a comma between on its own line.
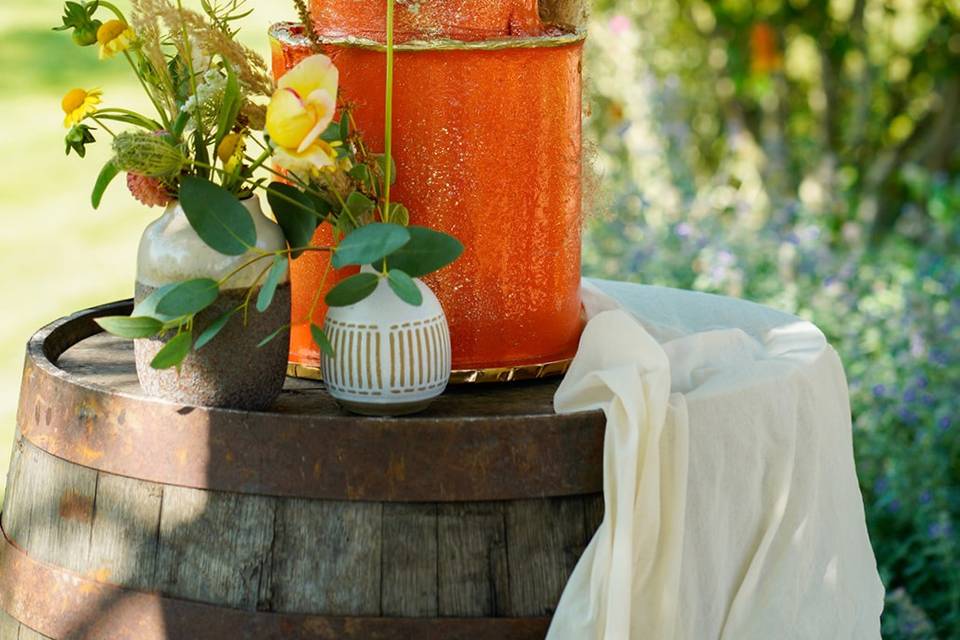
x=427, y=19
x=488, y=149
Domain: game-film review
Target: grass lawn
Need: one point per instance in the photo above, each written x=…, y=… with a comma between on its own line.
x=58, y=253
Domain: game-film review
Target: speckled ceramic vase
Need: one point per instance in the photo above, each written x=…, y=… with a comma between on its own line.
x=391, y=358
x=230, y=371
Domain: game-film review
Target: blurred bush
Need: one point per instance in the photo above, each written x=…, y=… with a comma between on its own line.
x=804, y=154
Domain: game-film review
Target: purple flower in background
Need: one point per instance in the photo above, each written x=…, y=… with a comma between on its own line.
x=881, y=485
x=926, y=497
x=879, y=390
x=940, y=530
x=683, y=230
x=907, y=416
x=943, y=423
x=894, y=506
x=921, y=381
x=928, y=400
x=620, y=24
x=910, y=395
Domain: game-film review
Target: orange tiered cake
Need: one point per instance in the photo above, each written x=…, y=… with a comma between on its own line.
x=487, y=131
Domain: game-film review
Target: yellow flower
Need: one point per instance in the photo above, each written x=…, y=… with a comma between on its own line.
x=301, y=109
x=114, y=36
x=231, y=151
x=318, y=156
x=78, y=104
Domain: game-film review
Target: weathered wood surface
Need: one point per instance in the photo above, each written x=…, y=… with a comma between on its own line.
x=490, y=559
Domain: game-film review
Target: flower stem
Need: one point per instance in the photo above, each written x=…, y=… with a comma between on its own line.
x=388, y=117
x=143, y=83
x=112, y=7
x=105, y=127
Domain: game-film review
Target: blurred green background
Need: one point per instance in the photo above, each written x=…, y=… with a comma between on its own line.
x=799, y=153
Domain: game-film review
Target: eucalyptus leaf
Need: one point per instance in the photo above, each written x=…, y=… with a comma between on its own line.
x=427, y=251
x=107, y=174
x=215, y=328
x=148, y=306
x=217, y=216
x=271, y=337
x=370, y=243
x=188, y=297
x=173, y=353
x=131, y=327
x=405, y=288
x=277, y=271
x=322, y=341
x=297, y=222
x=352, y=290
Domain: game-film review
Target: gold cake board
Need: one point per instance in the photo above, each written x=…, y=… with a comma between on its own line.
x=467, y=376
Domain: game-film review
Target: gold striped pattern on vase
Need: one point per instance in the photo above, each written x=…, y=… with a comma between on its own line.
x=412, y=357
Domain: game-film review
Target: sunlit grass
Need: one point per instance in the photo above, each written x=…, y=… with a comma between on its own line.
x=58, y=254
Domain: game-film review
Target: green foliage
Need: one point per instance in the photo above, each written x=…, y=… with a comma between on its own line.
x=277, y=271
x=322, y=341
x=426, y=252
x=174, y=352
x=270, y=338
x=79, y=17
x=803, y=155
x=229, y=107
x=188, y=297
x=213, y=330
x=293, y=210
x=131, y=327
x=148, y=306
x=77, y=139
x=352, y=290
x=405, y=288
x=107, y=175
x=217, y=216
x=370, y=243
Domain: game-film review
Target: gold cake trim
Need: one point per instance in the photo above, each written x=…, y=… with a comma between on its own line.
x=282, y=32
x=466, y=376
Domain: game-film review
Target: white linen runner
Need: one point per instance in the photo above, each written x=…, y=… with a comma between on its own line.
x=732, y=509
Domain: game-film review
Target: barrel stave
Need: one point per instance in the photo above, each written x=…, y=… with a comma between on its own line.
x=474, y=539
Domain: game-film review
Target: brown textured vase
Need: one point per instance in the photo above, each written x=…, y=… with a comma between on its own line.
x=231, y=371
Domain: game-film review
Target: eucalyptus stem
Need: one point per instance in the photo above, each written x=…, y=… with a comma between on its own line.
x=388, y=116
x=316, y=295
x=246, y=300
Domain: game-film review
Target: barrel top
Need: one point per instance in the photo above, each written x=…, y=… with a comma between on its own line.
x=81, y=401
x=107, y=361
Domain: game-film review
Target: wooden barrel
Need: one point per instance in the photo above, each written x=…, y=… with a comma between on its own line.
x=132, y=518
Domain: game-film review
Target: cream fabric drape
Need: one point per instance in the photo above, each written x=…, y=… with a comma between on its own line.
x=732, y=505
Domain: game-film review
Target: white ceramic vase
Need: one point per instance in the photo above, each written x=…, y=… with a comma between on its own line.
x=391, y=358
x=231, y=371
